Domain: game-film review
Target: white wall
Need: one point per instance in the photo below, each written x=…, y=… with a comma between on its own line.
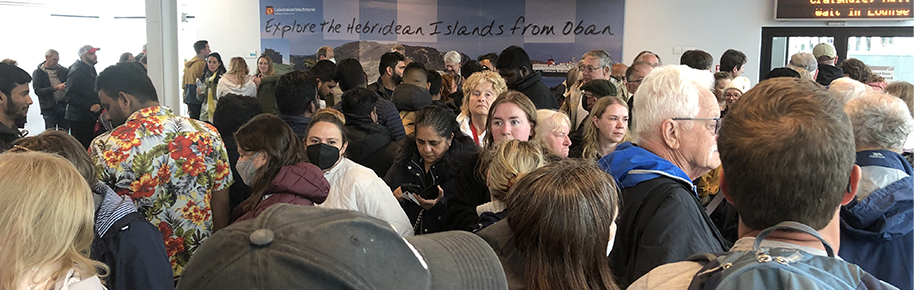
x=710, y=25
x=232, y=28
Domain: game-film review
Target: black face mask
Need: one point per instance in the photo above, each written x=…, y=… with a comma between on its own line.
x=323, y=155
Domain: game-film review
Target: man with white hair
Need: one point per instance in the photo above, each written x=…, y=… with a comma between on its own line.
x=594, y=65
x=452, y=62
x=663, y=220
x=876, y=227
x=847, y=88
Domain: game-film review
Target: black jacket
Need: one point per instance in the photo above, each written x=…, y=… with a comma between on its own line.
x=533, y=87
x=7, y=136
x=81, y=93
x=828, y=73
x=41, y=82
x=298, y=124
x=409, y=168
x=370, y=144
x=130, y=248
x=470, y=192
x=378, y=88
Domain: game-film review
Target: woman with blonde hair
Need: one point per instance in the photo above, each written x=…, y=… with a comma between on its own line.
x=47, y=221
x=479, y=91
x=607, y=128
x=508, y=162
x=559, y=228
x=265, y=79
x=236, y=80
x=552, y=132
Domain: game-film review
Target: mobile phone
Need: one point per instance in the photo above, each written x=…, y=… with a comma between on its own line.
x=409, y=187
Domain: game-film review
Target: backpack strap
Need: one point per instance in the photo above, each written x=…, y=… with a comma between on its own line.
x=790, y=225
x=710, y=264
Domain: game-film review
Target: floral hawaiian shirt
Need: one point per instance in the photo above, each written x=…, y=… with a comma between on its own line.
x=170, y=166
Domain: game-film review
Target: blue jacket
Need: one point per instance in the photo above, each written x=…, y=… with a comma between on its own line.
x=662, y=220
x=132, y=248
x=877, y=232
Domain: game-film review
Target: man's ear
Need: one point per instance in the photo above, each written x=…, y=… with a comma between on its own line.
x=524, y=71
x=607, y=72
x=124, y=101
x=670, y=133
x=389, y=71
x=852, y=184
x=724, y=187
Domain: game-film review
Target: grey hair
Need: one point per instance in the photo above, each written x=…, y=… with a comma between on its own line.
x=670, y=91
x=845, y=89
x=606, y=60
x=804, y=60
x=880, y=121
x=51, y=52
x=453, y=56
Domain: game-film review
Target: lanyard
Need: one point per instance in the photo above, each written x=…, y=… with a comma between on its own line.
x=475, y=135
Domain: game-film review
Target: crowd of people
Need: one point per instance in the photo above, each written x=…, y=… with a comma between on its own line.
x=638, y=176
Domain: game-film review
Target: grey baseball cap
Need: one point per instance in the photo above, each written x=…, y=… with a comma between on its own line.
x=302, y=247
x=87, y=49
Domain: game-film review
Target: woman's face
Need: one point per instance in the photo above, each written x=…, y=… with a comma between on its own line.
x=613, y=123
x=557, y=140
x=212, y=63
x=263, y=66
x=732, y=95
x=481, y=97
x=327, y=133
x=259, y=160
x=510, y=122
x=719, y=87
x=431, y=146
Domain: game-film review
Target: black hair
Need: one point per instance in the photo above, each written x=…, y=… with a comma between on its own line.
x=295, y=92
x=697, y=59
x=125, y=56
x=416, y=67
x=390, y=59
x=470, y=68
x=434, y=78
x=442, y=120
x=199, y=45
x=513, y=58
x=232, y=111
x=492, y=57
x=350, y=75
x=732, y=59
x=782, y=72
x=358, y=101
x=219, y=71
x=324, y=70
x=12, y=76
x=128, y=78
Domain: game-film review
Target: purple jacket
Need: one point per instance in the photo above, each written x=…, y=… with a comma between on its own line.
x=301, y=184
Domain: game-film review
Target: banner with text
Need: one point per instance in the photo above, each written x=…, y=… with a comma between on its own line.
x=555, y=33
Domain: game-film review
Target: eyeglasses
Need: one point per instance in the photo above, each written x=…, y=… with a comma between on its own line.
x=587, y=69
x=716, y=122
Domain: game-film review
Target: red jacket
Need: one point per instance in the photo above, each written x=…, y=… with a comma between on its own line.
x=301, y=184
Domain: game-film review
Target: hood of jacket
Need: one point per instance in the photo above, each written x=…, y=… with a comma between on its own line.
x=457, y=156
x=370, y=136
x=886, y=214
x=408, y=97
x=113, y=207
x=193, y=61
x=529, y=81
x=631, y=165
x=828, y=73
x=303, y=179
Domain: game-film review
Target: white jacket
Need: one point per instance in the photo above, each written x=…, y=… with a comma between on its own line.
x=226, y=86
x=464, y=121
x=355, y=187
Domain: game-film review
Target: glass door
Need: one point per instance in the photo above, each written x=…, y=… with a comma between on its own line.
x=889, y=57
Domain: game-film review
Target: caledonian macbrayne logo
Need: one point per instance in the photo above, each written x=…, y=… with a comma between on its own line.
x=270, y=10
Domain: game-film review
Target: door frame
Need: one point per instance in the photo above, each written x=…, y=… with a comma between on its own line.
x=841, y=34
